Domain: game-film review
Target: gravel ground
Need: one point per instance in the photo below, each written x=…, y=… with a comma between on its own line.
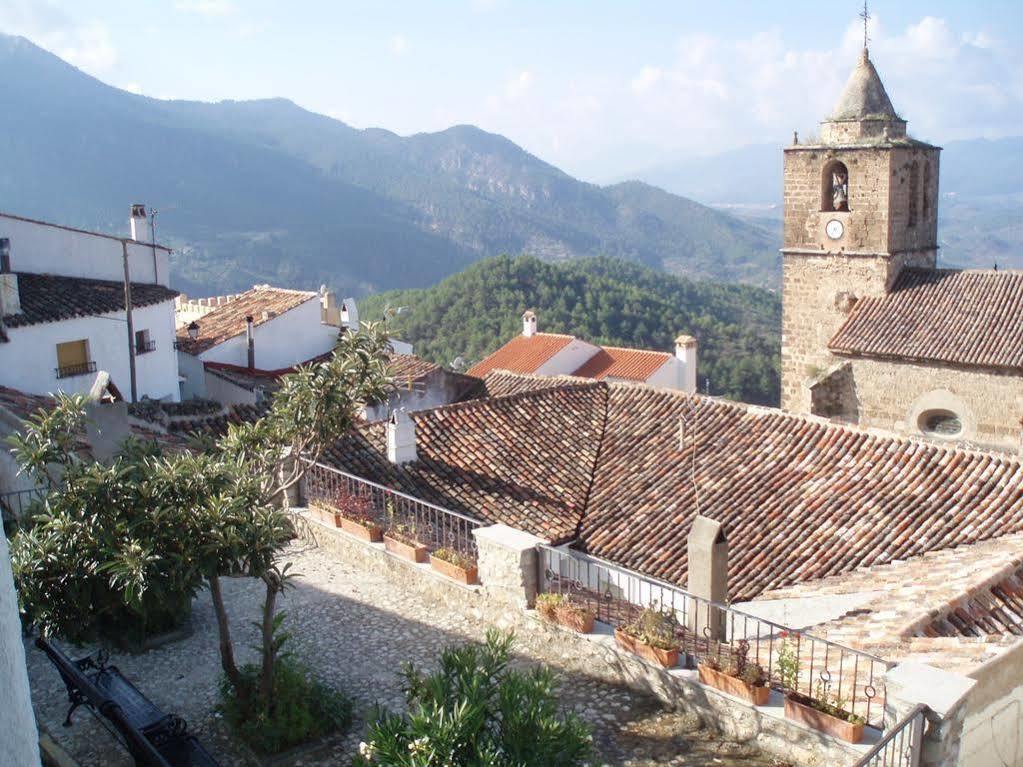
x=354, y=629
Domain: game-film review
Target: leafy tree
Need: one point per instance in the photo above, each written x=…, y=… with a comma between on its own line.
x=476, y=712
x=118, y=540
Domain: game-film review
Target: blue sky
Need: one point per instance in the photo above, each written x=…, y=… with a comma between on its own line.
x=598, y=87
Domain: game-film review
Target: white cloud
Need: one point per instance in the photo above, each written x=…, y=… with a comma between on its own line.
x=647, y=78
x=519, y=84
x=397, y=45
x=132, y=88
x=207, y=7
x=87, y=45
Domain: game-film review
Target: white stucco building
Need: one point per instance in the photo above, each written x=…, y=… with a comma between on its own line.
x=62, y=309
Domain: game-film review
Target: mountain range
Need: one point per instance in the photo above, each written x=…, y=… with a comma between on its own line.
x=265, y=191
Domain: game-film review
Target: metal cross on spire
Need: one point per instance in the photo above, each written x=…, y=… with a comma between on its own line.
x=865, y=15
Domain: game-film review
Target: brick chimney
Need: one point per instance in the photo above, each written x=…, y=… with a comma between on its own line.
x=10, y=296
x=140, y=231
x=401, y=438
x=685, y=351
x=529, y=324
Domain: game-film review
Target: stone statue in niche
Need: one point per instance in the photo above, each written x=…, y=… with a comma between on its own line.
x=840, y=189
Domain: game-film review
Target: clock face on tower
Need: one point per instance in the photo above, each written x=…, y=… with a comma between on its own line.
x=835, y=229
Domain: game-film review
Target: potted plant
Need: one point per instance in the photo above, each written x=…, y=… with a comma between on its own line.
x=400, y=540
x=352, y=513
x=575, y=616
x=325, y=512
x=654, y=636
x=547, y=606
x=735, y=675
x=454, y=565
x=821, y=711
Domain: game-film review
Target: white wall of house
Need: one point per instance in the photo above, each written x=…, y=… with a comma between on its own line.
x=567, y=360
x=289, y=338
x=30, y=357
x=49, y=249
x=226, y=392
x=18, y=733
x=670, y=375
x=192, y=375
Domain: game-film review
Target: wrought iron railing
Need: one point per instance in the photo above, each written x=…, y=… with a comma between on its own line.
x=69, y=371
x=617, y=596
x=13, y=505
x=901, y=745
x=433, y=526
x=145, y=348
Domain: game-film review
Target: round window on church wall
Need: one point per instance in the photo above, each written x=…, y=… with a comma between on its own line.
x=940, y=423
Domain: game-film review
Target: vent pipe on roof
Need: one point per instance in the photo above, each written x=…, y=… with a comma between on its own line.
x=529, y=324
x=401, y=438
x=250, y=343
x=685, y=351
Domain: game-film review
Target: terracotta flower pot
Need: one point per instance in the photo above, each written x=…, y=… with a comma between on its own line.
x=364, y=531
x=757, y=695
x=463, y=575
x=412, y=552
x=832, y=725
x=665, y=658
x=329, y=517
x=577, y=620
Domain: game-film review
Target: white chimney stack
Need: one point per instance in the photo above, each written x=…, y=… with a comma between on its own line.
x=140, y=224
x=350, y=314
x=401, y=438
x=529, y=324
x=10, y=296
x=685, y=351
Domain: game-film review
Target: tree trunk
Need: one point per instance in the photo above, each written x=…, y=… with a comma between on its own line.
x=266, y=682
x=224, y=629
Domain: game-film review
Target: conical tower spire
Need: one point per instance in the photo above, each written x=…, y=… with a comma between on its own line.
x=863, y=112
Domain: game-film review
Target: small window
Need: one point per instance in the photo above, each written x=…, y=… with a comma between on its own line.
x=142, y=342
x=835, y=187
x=940, y=423
x=914, y=192
x=927, y=190
x=73, y=359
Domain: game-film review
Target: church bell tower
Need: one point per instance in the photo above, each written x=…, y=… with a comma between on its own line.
x=860, y=205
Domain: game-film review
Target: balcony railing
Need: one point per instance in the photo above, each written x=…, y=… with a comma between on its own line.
x=145, y=348
x=901, y=745
x=14, y=505
x=617, y=596
x=433, y=526
x=68, y=371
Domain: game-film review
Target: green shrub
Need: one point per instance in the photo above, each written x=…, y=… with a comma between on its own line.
x=302, y=709
x=474, y=711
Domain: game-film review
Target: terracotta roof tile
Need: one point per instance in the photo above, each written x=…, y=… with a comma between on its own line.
x=501, y=383
x=51, y=298
x=522, y=354
x=624, y=364
x=801, y=498
x=942, y=315
x=228, y=321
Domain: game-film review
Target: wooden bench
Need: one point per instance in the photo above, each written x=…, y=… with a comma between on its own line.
x=153, y=738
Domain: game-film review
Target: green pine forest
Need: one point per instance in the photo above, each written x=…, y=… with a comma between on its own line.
x=604, y=300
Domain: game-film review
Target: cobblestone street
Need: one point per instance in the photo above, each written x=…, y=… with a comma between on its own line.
x=354, y=629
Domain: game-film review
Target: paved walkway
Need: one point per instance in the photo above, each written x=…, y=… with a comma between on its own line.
x=354, y=629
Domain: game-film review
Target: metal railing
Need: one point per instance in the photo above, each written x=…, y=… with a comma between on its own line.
x=901, y=745
x=13, y=505
x=617, y=596
x=69, y=371
x=433, y=526
x=145, y=348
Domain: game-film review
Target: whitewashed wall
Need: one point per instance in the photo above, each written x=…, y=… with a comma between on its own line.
x=18, y=733
x=29, y=360
x=670, y=375
x=568, y=360
x=46, y=249
x=288, y=339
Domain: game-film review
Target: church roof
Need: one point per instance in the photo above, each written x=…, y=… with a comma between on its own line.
x=970, y=317
x=864, y=97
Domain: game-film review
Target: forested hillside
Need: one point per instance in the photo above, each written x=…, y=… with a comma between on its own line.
x=604, y=300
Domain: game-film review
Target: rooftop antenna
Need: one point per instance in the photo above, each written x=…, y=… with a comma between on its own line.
x=865, y=15
x=690, y=425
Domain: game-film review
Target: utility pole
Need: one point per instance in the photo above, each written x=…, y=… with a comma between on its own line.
x=131, y=325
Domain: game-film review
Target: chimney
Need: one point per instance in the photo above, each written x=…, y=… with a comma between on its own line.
x=10, y=297
x=685, y=351
x=350, y=314
x=401, y=438
x=708, y=577
x=140, y=224
x=529, y=324
x=330, y=313
x=250, y=342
